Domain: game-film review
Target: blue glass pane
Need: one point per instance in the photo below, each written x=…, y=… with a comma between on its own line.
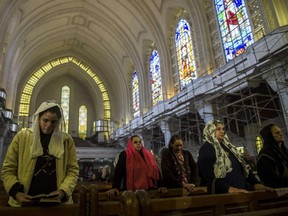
x=235, y=26
x=155, y=78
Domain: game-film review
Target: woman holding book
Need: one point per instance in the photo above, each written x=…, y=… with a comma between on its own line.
x=41, y=159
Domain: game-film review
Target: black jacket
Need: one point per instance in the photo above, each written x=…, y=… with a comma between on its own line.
x=171, y=169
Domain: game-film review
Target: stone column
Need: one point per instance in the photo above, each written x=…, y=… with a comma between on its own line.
x=206, y=111
x=278, y=82
x=169, y=127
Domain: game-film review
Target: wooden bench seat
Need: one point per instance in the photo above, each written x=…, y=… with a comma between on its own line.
x=59, y=210
x=102, y=186
x=97, y=205
x=283, y=211
x=127, y=203
x=89, y=201
x=220, y=204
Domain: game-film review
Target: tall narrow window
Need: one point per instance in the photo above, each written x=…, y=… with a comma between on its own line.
x=185, y=54
x=135, y=95
x=65, y=97
x=155, y=78
x=236, y=32
x=82, y=121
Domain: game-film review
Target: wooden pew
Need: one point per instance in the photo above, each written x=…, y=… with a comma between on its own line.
x=3, y=198
x=220, y=204
x=267, y=212
x=59, y=210
x=176, y=192
x=102, y=186
x=76, y=209
x=127, y=204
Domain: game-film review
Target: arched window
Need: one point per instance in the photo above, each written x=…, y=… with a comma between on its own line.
x=65, y=97
x=82, y=121
x=155, y=78
x=236, y=32
x=135, y=95
x=185, y=55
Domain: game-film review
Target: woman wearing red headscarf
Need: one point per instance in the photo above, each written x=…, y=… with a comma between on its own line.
x=136, y=169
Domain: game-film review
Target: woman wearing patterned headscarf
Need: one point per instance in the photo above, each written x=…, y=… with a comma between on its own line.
x=220, y=164
x=41, y=159
x=136, y=168
x=272, y=163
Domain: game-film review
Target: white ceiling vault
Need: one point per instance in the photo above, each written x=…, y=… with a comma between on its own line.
x=110, y=36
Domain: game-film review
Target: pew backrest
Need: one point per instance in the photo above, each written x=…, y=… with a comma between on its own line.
x=220, y=204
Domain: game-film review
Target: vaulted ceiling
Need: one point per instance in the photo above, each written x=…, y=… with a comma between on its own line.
x=110, y=36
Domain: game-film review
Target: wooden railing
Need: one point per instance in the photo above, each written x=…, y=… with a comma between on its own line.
x=220, y=204
x=92, y=200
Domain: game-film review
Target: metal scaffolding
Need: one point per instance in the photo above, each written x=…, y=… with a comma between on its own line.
x=244, y=102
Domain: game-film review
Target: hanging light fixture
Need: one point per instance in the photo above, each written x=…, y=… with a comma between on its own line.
x=7, y=114
x=13, y=127
x=3, y=96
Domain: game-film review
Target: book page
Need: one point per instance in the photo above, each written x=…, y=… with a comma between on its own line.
x=39, y=196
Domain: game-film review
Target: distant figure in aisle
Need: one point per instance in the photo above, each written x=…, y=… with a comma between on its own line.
x=135, y=169
x=179, y=170
x=106, y=174
x=91, y=174
x=99, y=173
x=221, y=165
x=41, y=159
x=272, y=163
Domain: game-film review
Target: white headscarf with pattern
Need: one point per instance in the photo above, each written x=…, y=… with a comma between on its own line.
x=223, y=164
x=55, y=147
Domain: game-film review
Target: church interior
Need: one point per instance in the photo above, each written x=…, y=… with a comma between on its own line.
x=148, y=67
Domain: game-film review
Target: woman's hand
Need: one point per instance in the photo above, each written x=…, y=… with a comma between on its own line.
x=23, y=198
x=262, y=187
x=236, y=190
x=61, y=195
x=162, y=190
x=189, y=187
x=113, y=193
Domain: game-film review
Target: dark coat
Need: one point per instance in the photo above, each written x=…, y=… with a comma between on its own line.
x=236, y=178
x=272, y=163
x=171, y=169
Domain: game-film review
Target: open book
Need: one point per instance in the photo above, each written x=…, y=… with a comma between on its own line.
x=39, y=196
x=46, y=199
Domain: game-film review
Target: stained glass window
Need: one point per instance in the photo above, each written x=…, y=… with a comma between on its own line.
x=65, y=97
x=185, y=55
x=82, y=121
x=236, y=32
x=155, y=78
x=135, y=95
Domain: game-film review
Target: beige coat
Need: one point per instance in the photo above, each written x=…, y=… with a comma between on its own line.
x=19, y=165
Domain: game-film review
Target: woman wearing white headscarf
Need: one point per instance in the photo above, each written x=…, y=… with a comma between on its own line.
x=41, y=159
x=221, y=166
